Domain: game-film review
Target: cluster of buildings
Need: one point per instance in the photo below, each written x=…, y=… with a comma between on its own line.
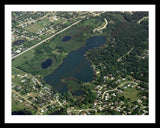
x=109, y=99
x=30, y=91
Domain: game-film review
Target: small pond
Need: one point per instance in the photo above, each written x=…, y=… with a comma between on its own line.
x=66, y=38
x=46, y=64
x=18, y=42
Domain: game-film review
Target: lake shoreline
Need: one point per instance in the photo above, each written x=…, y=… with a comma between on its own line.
x=79, y=70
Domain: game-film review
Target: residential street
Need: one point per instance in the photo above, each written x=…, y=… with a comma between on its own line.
x=118, y=86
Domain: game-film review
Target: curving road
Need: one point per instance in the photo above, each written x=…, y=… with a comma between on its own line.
x=119, y=86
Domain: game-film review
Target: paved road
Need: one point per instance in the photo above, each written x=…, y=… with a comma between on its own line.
x=119, y=59
x=45, y=39
x=22, y=96
x=145, y=17
x=119, y=86
x=45, y=107
x=59, y=102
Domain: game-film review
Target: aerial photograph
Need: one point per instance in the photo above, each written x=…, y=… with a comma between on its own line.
x=80, y=62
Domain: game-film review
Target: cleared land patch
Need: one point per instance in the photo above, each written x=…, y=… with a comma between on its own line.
x=38, y=25
x=131, y=93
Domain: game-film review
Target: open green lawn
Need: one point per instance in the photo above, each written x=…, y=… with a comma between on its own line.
x=17, y=106
x=38, y=25
x=23, y=59
x=31, y=61
x=131, y=93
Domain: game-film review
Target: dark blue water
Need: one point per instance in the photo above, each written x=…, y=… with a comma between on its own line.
x=78, y=93
x=17, y=42
x=66, y=38
x=75, y=65
x=46, y=64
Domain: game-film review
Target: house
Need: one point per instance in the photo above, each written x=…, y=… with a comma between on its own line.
x=72, y=107
x=144, y=97
x=112, y=78
x=56, y=95
x=139, y=101
x=106, y=97
x=97, y=72
x=145, y=111
x=116, y=103
x=24, y=80
x=13, y=86
x=138, y=87
x=135, y=106
x=117, y=81
x=125, y=87
x=18, y=87
x=113, y=94
x=96, y=87
x=123, y=78
x=112, y=107
x=122, y=103
x=118, y=110
x=119, y=91
x=88, y=112
x=84, y=114
x=104, y=88
x=99, y=92
x=64, y=101
x=13, y=53
x=27, y=104
x=98, y=95
x=105, y=77
x=18, y=75
x=18, y=51
x=129, y=85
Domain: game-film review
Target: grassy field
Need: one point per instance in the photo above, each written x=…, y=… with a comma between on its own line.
x=131, y=93
x=24, y=59
x=38, y=25
x=31, y=61
x=17, y=106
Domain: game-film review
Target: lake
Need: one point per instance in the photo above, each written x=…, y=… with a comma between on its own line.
x=75, y=65
x=18, y=42
x=46, y=64
x=66, y=38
